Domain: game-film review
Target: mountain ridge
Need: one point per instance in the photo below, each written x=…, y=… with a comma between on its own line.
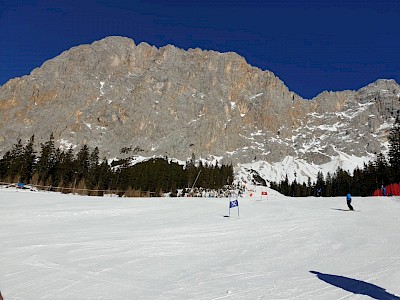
x=172, y=102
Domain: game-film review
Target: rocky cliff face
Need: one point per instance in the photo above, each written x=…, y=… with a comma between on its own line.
x=170, y=102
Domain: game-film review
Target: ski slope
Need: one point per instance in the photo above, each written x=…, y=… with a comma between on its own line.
x=56, y=246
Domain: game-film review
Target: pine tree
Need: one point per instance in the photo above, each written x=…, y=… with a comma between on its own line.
x=3, y=168
x=104, y=179
x=28, y=161
x=55, y=171
x=46, y=160
x=5, y=163
x=309, y=187
x=320, y=185
x=394, y=151
x=370, y=177
x=382, y=170
x=358, y=184
x=328, y=186
x=343, y=182
x=93, y=169
x=66, y=168
x=284, y=186
x=15, y=161
x=82, y=164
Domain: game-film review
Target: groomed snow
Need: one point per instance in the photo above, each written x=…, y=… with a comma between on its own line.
x=56, y=246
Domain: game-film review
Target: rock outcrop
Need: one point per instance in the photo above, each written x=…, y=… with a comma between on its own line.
x=170, y=102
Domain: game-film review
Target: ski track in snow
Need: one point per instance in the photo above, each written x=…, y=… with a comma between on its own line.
x=58, y=246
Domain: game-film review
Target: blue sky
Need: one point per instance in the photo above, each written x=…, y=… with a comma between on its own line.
x=311, y=45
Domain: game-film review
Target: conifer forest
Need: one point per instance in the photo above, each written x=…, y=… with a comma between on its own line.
x=384, y=170
x=84, y=172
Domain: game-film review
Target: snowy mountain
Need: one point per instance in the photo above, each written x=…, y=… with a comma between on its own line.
x=115, y=94
x=298, y=169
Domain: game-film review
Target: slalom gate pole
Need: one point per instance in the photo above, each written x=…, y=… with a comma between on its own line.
x=229, y=199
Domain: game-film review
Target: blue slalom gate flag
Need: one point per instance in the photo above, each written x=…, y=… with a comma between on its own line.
x=233, y=203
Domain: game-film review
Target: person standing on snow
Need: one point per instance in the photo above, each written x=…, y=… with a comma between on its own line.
x=348, y=198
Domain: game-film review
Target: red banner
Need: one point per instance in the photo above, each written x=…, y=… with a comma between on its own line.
x=264, y=193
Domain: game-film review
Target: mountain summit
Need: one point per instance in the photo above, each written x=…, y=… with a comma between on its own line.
x=115, y=94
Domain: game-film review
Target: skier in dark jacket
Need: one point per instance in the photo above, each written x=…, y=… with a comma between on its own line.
x=348, y=198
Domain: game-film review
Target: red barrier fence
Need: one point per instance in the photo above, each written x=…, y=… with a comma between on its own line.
x=390, y=190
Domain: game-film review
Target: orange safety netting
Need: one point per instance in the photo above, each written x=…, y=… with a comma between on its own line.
x=391, y=190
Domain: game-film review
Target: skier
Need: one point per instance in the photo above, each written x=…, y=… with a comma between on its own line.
x=383, y=189
x=348, y=198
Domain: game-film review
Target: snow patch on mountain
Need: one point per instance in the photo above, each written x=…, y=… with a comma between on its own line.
x=65, y=145
x=255, y=96
x=299, y=169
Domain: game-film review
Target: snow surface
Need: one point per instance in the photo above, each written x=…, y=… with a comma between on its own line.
x=56, y=246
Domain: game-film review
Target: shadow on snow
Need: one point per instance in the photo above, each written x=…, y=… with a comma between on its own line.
x=342, y=209
x=356, y=286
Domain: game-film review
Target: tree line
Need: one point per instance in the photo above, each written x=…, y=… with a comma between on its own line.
x=84, y=171
x=363, y=182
